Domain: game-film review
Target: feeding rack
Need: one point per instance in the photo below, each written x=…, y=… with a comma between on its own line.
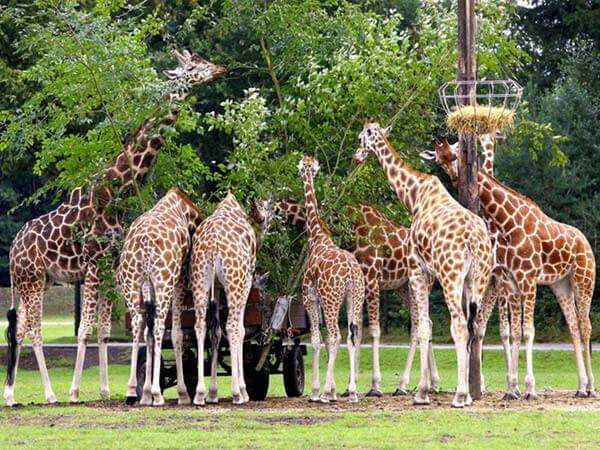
x=481, y=106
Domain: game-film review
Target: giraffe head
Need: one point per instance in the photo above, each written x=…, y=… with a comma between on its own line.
x=308, y=165
x=192, y=71
x=263, y=213
x=446, y=156
x=370, y=138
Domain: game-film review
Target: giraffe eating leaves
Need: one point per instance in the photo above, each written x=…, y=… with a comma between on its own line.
x=66, y=244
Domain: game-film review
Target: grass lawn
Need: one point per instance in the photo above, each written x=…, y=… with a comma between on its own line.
x=294, y=423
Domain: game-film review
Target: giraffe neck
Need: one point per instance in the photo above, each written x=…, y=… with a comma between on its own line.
x=488, y=144
x=403, y=179
x=293, y=213
x=499, y=202
x=313, y=225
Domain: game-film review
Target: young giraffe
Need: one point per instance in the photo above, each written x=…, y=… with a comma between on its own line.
x=151, y=272
x=382, y=248
x=448, y=242
x=223, y=249
x=47, y=250
x=331, y=276
x=542, y=251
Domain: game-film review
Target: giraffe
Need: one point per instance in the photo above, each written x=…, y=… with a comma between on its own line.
x=152, y=272
x=223, y=249
x=448, y=242
x=48, y=249
x=539, y=250
x=331, y=276
x=381, y=249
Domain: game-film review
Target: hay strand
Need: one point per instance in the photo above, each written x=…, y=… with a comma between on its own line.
x=479, y=120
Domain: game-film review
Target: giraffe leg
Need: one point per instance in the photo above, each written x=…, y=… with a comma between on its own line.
x=433, y=370
x=11, y=379
x=90, y=301
x=164, y=294
x=312, y=308
x=503, y=308
x=177, y=339
x=583, y=286
x=419, y=285
x=200, y=303
x=34, y=317
x=529, y=294
x=483, y=315
x=333, y=343
x=354, y=303
x=104, y=327
x=409, y=301
x=372, y=299
x=136, y=331
x=514, y=303
x=213, y=396
x=460, y=335
x=236, y=291
x=566, y=299
x=241, y=332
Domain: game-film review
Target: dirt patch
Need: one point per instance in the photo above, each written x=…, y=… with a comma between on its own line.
x=490, y=403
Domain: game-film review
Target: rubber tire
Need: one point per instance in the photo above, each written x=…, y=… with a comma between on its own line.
x=257, y=383
x=293, y=372
x=141, y=373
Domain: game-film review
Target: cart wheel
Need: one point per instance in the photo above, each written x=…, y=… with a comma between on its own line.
x=190, y=372
x=141, y=373
x=257, y=382
x=293, y=372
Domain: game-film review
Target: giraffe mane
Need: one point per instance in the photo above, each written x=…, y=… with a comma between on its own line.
x=403, y=163
x=512, y=191
x=185, y=199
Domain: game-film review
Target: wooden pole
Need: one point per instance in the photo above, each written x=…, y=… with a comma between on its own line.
x=468, y=193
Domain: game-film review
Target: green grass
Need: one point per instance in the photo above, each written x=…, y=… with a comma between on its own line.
x=304, y=426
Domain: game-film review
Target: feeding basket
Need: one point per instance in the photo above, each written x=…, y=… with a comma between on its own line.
x=480, y=107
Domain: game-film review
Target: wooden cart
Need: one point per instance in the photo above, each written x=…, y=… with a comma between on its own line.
x=271, y=344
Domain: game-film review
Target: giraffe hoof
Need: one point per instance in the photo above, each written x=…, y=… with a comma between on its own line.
x=511, y=396
x=581, y=394
x=400, y=392
x=184, y=400
x=591, y=393
x=51, y=399
x=458, y=405
x=74, y=396
x=421, y=400
x=130, y=400
x=146, y=400
x=314, y=398
x=530, y=396
x=434, y=390
x=353, y=398
x=324, y=399
x=374, y=393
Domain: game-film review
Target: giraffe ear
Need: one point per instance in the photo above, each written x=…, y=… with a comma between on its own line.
x=386, y=131
x=428, y=155
x=316, y=166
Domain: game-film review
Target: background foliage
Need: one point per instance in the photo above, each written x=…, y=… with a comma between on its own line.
x=303, y=74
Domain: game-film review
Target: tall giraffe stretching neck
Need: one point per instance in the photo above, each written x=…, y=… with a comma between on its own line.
x=314, y=229
x=404, y=180
x=47, y=249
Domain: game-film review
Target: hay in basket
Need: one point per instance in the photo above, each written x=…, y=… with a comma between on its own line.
x=480, y=120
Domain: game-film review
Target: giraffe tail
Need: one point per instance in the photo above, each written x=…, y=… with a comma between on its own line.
x=150, y=312
x=213, y=312
x=11, y=339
